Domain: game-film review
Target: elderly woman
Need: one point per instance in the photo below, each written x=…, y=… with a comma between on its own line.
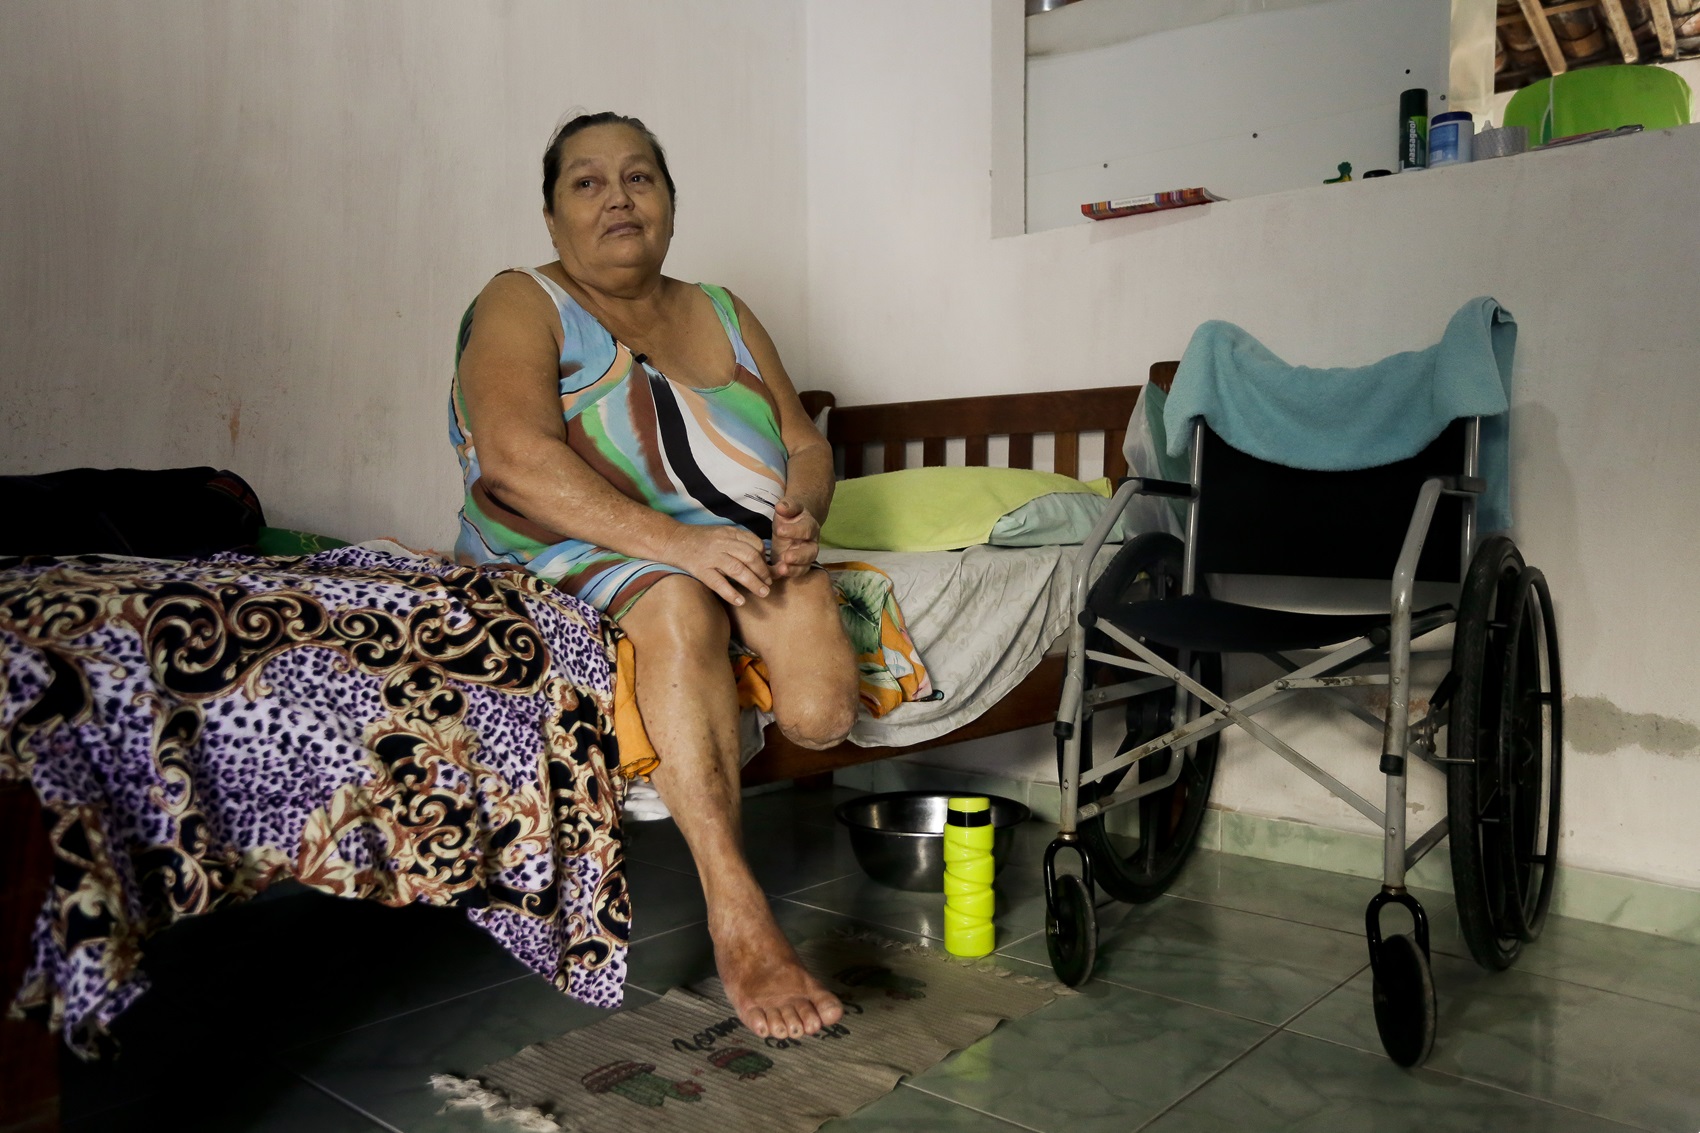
x=640, y=445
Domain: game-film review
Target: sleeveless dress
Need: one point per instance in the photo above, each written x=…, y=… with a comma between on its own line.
x=701, y=456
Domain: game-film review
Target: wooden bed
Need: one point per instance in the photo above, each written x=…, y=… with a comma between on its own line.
x=866, y=439
x=879, y=438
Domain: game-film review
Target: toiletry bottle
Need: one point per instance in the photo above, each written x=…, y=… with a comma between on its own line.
x=1450, y=137
x=1413, y=129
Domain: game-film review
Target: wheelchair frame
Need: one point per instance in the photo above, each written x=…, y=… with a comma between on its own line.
x=1405, y=1004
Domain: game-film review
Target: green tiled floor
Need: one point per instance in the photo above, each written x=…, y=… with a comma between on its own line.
x=1240, y=1001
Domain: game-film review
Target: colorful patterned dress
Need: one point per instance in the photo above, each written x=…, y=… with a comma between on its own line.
x=701, y=456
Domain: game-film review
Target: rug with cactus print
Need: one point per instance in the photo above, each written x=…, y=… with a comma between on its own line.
x=685, y=1062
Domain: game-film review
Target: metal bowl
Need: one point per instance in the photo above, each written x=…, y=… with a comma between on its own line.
x=899, y=837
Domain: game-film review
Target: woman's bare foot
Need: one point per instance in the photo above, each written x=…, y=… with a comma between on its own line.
x=765, y=981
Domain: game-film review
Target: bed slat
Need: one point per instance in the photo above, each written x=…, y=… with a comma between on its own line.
x=1067, y=458
x=1115, y=464
x=1021, y=450
x=896, y=455
x=975, y=454
x=932, y=452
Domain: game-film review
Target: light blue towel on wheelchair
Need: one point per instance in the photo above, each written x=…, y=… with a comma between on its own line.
x=1352, y=417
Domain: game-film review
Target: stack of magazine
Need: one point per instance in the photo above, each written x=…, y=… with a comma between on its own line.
x=1150, y=202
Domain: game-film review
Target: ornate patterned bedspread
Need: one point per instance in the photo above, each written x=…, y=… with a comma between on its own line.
x=373, y=726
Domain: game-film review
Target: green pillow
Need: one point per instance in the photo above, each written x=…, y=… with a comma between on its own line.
x=946, y=509
x=1056, y=519
x=285, y=541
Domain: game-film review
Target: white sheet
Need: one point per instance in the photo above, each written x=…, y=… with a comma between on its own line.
x=982, y=619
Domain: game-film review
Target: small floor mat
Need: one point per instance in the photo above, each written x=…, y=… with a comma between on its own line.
x=686, y=1063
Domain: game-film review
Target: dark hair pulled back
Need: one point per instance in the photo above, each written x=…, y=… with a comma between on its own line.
x=552, y=155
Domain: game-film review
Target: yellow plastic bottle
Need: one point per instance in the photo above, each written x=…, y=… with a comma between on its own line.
x=968, y=871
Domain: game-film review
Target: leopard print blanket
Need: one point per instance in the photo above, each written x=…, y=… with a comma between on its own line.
x=370, y=725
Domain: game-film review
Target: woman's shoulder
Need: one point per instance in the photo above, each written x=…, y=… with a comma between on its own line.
x=734, y=310
x=524, y=287
x=523, y=302
x=735, y=313
x=727, y=306
x=510, y=293
x=535, y=293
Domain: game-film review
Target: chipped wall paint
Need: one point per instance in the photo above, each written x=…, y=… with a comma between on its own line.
x=1596, y=726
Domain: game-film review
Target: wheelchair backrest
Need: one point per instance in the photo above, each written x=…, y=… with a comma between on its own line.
x=1257, y=517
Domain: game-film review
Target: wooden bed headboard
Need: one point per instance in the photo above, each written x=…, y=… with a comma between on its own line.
x=885, y=431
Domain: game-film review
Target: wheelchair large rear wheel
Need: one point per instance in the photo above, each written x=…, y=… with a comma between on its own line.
x=1506, y=735
x=1138, y=849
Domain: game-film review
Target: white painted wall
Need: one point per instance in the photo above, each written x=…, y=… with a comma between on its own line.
x=1243, y=106
x=1085, y=24
x=1593, y=249
x=243, y=234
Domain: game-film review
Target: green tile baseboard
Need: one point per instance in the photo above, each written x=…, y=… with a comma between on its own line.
x=1604, y=898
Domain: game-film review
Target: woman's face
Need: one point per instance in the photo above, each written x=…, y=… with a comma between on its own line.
x=611, y=209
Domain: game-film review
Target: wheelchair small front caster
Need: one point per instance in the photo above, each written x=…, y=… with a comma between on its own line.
x=1405, y=1007
x=1404, y=1001
x=1071, y=923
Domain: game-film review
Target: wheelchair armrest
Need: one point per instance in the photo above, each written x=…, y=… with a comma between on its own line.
x=1149, y=486
x=1405, y=571
x=1126, y=488
x=1399, y=625
x=1463, y=485
x=1069, y=705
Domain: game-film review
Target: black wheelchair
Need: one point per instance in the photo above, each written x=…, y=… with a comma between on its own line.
x=1149, y=639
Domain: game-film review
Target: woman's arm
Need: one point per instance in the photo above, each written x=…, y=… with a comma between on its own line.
x=509, y=379
x=809, y=476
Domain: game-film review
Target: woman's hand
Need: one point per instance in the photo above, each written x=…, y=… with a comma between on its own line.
x=721, y=558
x=796, y=539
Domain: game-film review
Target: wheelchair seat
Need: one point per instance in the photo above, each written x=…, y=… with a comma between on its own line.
x=1212, y=625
